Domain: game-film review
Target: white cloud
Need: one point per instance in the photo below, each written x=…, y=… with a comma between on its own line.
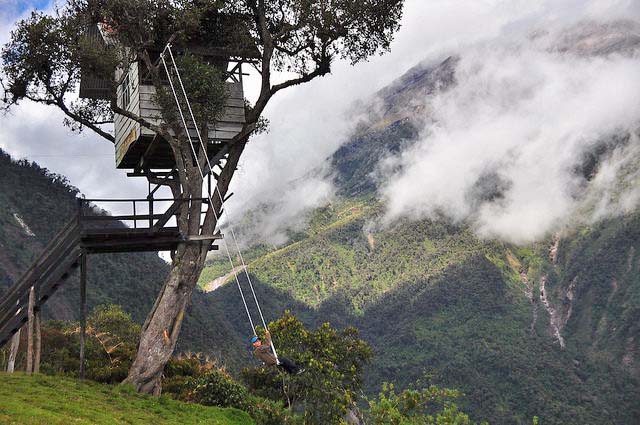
x=309, y=122
x=522, y=116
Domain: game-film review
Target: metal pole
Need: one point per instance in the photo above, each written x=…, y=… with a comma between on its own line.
x=83, y=309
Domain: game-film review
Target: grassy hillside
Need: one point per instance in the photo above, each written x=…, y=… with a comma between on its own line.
x=55, y=400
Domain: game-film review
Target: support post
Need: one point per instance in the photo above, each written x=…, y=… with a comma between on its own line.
x=32, y=300
x=151, y=214
x=13, y=351
x=83, y=309
x=36, y=360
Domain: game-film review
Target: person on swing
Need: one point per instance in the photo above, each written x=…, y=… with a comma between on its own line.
x=263, y=352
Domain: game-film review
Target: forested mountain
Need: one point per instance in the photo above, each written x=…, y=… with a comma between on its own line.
x=549, y=328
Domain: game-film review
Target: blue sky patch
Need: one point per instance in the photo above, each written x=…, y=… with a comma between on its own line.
x=18, y=7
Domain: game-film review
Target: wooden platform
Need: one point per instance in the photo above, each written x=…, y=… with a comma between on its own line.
x=82, y=235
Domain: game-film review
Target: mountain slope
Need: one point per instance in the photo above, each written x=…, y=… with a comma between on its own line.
x=35, y=204
x=431, y=297
x=547, y=329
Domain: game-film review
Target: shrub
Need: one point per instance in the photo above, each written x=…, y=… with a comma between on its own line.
x=217, y=388
x=269, y=412
x=189, y=380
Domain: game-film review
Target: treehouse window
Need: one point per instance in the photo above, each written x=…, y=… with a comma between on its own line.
x=126, y=92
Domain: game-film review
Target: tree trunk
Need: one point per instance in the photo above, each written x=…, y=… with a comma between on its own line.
x=162, y=327
x=13, y=352
x=161, y=330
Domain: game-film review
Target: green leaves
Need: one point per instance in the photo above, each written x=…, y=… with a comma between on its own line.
x=425, y=406
x=333, y=360
x=217, y=388
x=38, y=58
x=205, y=88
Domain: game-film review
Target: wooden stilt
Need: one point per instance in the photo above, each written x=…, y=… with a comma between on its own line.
x=13, y=352
x=36, y=360
x=83, y=310
x=32, y=301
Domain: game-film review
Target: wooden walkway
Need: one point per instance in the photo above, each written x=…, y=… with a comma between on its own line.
x=83, y=235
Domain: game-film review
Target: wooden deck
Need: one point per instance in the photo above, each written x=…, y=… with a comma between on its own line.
x=82, y=235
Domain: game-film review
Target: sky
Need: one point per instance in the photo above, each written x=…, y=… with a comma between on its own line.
x=309, y=122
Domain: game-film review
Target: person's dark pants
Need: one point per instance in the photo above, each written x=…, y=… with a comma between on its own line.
x=288, y=366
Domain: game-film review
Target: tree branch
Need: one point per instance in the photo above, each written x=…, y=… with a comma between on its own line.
x=83, y=121
x=143, y=122
x=321, y=70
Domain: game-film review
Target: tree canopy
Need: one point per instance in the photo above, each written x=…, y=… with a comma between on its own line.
x=47, y=54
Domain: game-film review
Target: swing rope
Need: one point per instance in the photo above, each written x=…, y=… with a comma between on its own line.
x=209, y=197
x=217, y=189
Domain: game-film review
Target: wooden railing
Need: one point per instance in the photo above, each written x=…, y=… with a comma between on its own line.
x=142, y=213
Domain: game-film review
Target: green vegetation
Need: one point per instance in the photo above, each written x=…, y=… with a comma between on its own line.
x=49, y=400
x=112, y=340
x=334, y=362
x=326, y=392
x=426, y=406
x=337, y=258
x=429, y=295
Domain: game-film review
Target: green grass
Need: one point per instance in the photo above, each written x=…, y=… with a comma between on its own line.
x=51, y=400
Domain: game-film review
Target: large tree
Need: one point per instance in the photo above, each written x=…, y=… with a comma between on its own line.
x=43, y=62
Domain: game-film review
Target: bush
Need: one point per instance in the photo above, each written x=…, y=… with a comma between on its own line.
x=269, y=412
x=110, y=346
x=217, y=388
x=189, y=380
x=426, y=406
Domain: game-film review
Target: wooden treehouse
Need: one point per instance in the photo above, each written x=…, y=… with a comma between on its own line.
x=137, y=147
x=146, y=154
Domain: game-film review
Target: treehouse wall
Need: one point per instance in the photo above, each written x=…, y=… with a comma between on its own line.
x=132, y=139
x=229, y=124
x=127, y=131
x=91, y=86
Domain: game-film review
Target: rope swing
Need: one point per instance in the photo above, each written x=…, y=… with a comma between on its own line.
x=217, y=189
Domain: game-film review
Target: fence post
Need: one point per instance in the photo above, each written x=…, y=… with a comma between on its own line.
x=13, y=351
x=83, y=310
x=36, y=360
x=32, y=299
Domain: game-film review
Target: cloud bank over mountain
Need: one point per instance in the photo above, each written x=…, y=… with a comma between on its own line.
x=510, y=139
x=530, y=105
x=505, y=116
